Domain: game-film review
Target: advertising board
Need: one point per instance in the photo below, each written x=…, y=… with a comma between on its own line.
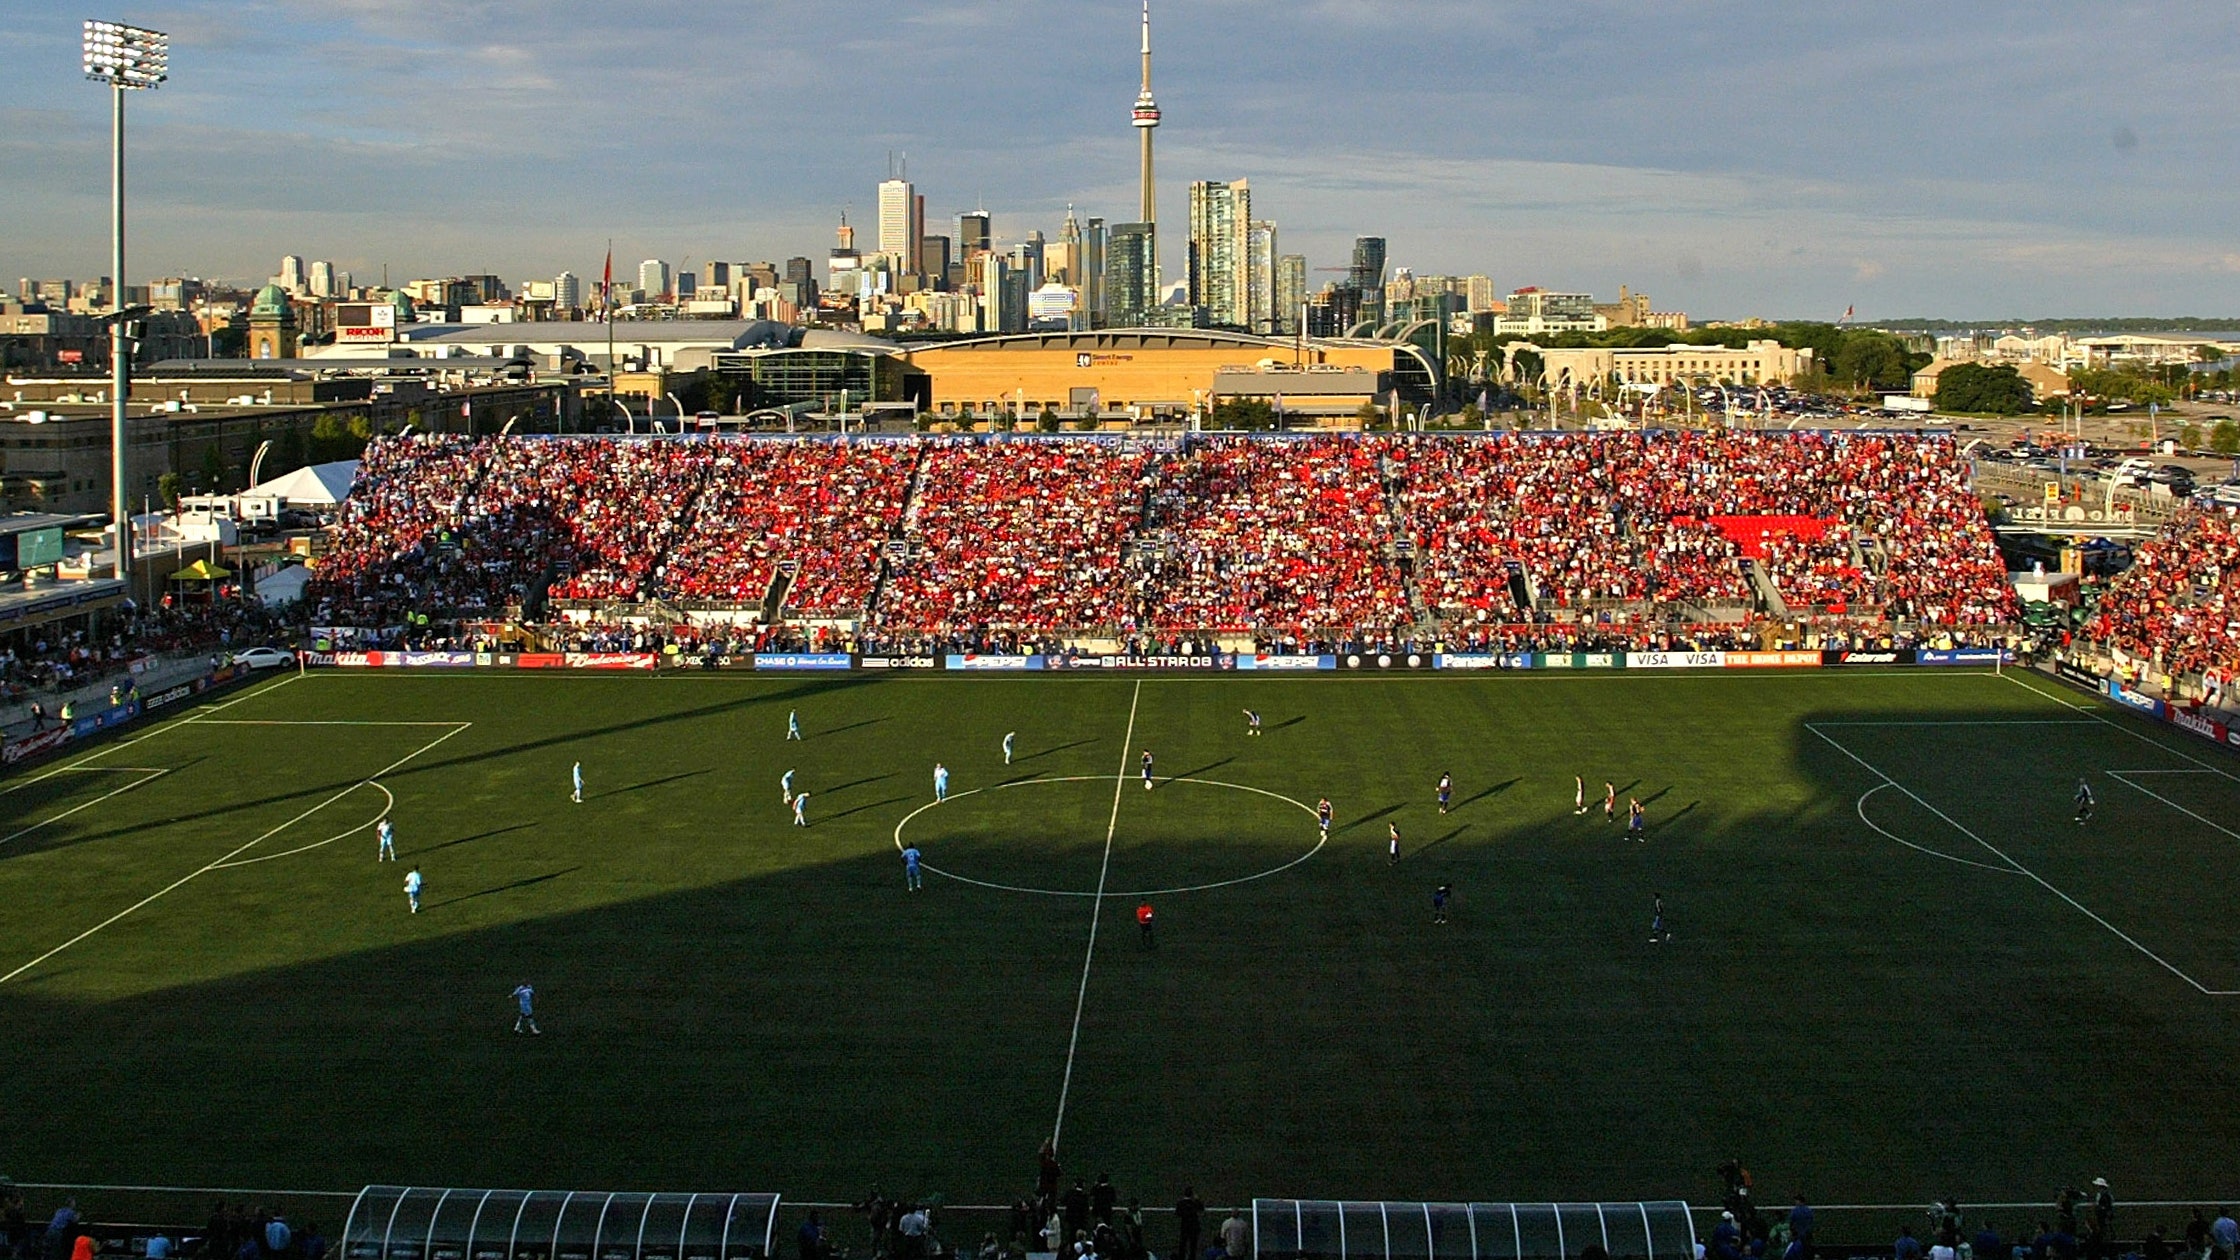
x=1962, y=656
x=1676, y=660
x=1773, y=660
x=1384, y=660
x=1871, y=656
x=802, y=660
x=978, y=661
x=1481, y=660
x=32, y=745
x=900, y=662
x=1286, y=662
x=611, y=660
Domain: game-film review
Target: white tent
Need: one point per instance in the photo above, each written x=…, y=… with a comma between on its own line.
x=284, y=587
x=319, y=485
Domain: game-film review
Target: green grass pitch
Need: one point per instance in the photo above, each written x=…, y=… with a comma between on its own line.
x=1898, y=967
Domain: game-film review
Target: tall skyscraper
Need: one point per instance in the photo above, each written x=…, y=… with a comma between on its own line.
x=654, y=279
x=1091, y=267
x=1290, y=293
x=899, y=215
x=934, y=260
x=972, y=234
x=715, y=275
x=567, y=292
x=1131, y=276
x=291, y=275
x=1146, y=119
x=1220, y=214
x=1260, y=276
x=322, y=280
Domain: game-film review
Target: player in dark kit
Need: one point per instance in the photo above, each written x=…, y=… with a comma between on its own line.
x=1439, y=898
x=1658, y=933
x=2084, y=802
x=1146, y=769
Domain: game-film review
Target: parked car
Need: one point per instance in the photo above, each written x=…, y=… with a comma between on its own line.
x=264, y=657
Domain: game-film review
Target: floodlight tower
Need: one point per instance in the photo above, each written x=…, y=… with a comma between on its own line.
x=128, y=59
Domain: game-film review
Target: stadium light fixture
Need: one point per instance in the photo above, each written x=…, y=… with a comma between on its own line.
x=128, y=59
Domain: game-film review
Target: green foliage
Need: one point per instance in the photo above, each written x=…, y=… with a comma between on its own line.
x=1867, y=358
x=1371, y=416
x=1243, y=413
x=2189, y=437
x=2225, y=438
x=213, y=477
x=1973, y=387
x=168, y=487
x=1048, y=422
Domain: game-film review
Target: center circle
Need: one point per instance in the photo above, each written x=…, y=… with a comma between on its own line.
x=1165, y=785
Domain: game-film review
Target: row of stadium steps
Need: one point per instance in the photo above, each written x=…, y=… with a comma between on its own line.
x=1520, y=587
x=781, y=582
x=1769, y=595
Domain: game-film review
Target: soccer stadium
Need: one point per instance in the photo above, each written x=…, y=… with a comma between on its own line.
x=1518, y=844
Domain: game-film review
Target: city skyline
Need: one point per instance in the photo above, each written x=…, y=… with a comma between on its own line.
x=1768, y=162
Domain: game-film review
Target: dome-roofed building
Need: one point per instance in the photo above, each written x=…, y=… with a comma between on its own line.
x=272, y=324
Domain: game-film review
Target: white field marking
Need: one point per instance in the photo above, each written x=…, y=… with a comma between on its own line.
x=312, y=722
x=2119, y=776
x=389, y=803
x=160, y=727
x=1096, y=908
x=2159, y=772
x=146, y=776
x=2126, y=728
x=1969, y=722
x=1100, y=778
x=1920, y=848
x=2040, y=880
x=1613, y=674
x=207, y=867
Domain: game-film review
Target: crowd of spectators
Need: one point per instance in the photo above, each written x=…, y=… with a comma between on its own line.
x=1242, y=537
x=1314, y=539
x=2178, y=605
x=234, y=1232
x=1025, y=536
x=824, y=507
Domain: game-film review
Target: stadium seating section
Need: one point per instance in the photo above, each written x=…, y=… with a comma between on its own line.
x=1305, y=535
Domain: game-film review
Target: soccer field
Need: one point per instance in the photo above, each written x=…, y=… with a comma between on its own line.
x=1898, y=968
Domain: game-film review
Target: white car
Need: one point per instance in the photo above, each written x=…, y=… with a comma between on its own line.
x=264, y=657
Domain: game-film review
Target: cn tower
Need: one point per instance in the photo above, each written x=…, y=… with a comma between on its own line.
x=1147, y=120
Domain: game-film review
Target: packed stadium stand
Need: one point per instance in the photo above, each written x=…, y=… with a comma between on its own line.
x=1325, y=536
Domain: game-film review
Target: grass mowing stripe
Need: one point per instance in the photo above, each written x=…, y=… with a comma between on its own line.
x=1096, y=908
x=206, y=868
x=2118, y=776
x=2120, y=934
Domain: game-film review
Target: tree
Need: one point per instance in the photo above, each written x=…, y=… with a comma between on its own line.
x=2225, y=438
x=1370, y=415
x=2189, y=437
x=1243, y=413
x=1998, y=391
x=167, y=489
x=213, y=469
x=1866, y=357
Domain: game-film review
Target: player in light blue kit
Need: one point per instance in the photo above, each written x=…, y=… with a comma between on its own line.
x=793, y=725
x=388, y=836
x=576, y=775
x=526, y=997
x=911, y=880
x=785, y=787
x=801, y=810
x=940, y=782
x=1008, y=736
x=412, y=885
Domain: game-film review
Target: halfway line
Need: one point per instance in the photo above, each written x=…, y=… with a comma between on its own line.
x=1096, y=908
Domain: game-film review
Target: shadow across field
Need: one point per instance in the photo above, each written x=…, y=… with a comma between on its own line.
x=480, y=835
x=516, y=885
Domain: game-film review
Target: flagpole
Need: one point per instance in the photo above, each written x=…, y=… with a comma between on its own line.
x=606, y=301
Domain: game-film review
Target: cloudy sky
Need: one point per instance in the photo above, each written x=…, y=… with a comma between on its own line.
x=1728, y=157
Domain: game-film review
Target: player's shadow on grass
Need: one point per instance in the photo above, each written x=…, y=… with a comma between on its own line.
x=653, y=783
x=1492, y=790
x=1289, y=721
x=480, y=835
x=853, y=783
x=1435, y=843
x=1191, y=774
x=871, y=721
x=56, y=838
x=892, y=800
x=1058, y=748
x=1366, y=819
x=1656, y=796
x=547, y=877
x=1677, y=815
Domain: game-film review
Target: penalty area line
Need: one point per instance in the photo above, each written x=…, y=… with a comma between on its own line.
x=147, y=775
x=2025, y=871
x=208, y=867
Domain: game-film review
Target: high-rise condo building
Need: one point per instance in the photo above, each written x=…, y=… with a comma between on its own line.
x=654, y=279
x=1260, y=276
x=900, y=224
x=1220, y=214
x=1131, y=277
